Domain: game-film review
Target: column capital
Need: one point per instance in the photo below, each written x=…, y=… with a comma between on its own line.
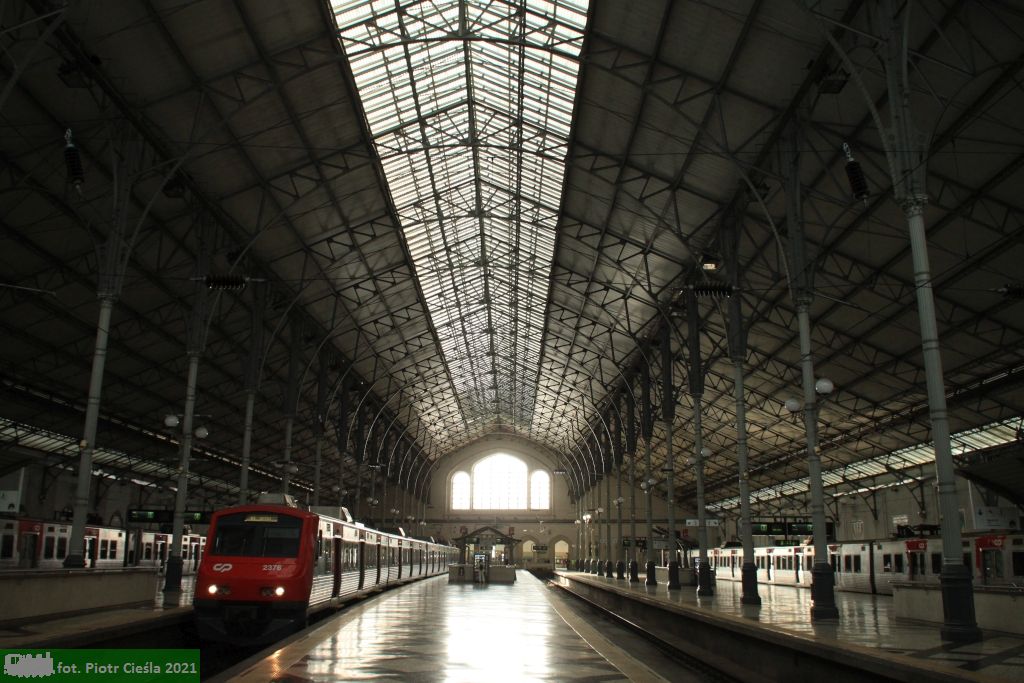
x=913, y=204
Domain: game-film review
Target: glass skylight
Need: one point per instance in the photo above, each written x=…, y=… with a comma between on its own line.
x=470, y=104
x=994, y=434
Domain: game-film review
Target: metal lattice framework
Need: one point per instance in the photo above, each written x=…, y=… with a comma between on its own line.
x=475, y=216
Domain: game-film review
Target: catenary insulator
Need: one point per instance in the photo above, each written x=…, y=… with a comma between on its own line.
x=73, y=162
x=229, y=282
x=855, y=174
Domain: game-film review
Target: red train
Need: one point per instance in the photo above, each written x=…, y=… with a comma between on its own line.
x=267, y=567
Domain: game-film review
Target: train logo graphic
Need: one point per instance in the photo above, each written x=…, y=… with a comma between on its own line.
x=28, y=666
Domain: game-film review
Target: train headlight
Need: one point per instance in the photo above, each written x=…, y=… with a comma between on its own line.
x=212, y=590
x=279, y=591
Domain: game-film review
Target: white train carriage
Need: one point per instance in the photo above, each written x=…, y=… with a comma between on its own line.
x=37, y=544
x=873, y=566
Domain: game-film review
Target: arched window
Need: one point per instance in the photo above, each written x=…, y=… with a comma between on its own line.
x=540, y=490
x=460, y=491
x=499, y=483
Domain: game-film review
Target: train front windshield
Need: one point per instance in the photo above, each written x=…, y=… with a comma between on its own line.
x=257, y=534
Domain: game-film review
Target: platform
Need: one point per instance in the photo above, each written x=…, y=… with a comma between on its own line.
x=867, y=635
x=83, y=630
x=431, y=630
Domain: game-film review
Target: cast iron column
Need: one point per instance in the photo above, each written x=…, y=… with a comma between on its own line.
x=737, y=352
x=908, y=160
x=646, y=427
x=696, y=377
x=823, y=599
x=668, y=414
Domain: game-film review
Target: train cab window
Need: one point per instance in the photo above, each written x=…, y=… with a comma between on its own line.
x=257, y=534
x=897, y=561
x=856, y=564
x=62, y=548
x=1018, y=563
x=936, y=563
x=48, y=548
x=103, y=549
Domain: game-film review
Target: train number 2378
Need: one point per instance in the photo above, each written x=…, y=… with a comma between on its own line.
x=272, y=567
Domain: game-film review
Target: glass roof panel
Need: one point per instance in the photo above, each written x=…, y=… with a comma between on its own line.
x=469, y=103
x=994, y=434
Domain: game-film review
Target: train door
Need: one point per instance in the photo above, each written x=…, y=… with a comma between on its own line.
x=28, y=550
x=990, y=559
x=91, y=549
x=991, y=565
x=336, y=552
x=768, y=567
x=401, y=559
x=7, y=537
x=195, y=553
x=379, y=562
x=797, y=560
x=362, y=563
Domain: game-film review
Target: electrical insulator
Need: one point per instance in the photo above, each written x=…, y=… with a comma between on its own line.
x=712, y=289
x=73, y=161
x=1012, y=290
x=229, y=282
x=855, y=174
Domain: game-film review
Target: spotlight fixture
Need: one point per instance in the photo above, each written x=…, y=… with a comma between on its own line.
x=709, y=263
x=559, y=471
x=832, y=82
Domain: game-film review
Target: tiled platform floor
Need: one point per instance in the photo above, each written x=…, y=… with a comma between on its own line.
x=865, y=621
x=435, y=631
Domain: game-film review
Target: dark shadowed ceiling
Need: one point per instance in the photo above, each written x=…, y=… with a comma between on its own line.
x=456, y=219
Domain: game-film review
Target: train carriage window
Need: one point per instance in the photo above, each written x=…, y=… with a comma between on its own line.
x=886, y=563
x=897, y=560
x=856, y=564
x=249, y=534
x=936, y=563
x=48, y=548
x=848, y=563
x=62, y=548
x=967, y=560
x=1018, y=563
x=147, y=551
x=103, y=549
